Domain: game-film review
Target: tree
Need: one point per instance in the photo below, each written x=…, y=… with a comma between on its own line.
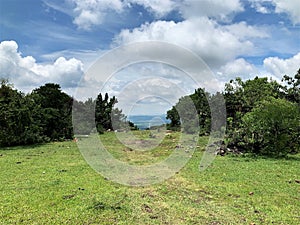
x=56, y=109
x=173, y=116
x=272, y=128
x=106, y=116
x=19, y=120
x=200, y=98
x=83, y=116
x=192, y=112
x=103, y=112
x=292, y=90
x=241, y=97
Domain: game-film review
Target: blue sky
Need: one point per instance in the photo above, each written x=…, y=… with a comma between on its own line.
x=58, y=40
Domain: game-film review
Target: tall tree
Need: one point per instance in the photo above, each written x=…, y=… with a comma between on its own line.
x=192, y=112
x=292, y=90
x=56, y=107
x=19, y=118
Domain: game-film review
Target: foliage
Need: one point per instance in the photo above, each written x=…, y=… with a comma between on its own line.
x=46, y=115
x=244, y=99
x=173, y=116
x=106, y=116
x=56, y=109
x=19, y=118
x=83, y=116
x=272, y=128
x=242, y=96
x=191, y=112
x=262, y=115
x=292, y=90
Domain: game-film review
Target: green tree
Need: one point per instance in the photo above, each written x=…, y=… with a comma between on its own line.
x=292, y=90
x=192, y=112
x=241, y=97
x=173, y=116
x=103, y=111
x=107, y=117
x=56, y=109
x=83, y=116
x=272, y=128
x=19, y=118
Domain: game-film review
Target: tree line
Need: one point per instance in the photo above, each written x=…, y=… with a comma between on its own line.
x=45, y=115
x=263, y=116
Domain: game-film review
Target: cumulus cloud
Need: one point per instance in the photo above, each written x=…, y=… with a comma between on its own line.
x=237, y=68
x=92, y=12
x=216, y=44
x=279, y=67
x=290, y=7
x=26, y=72
x=218, y=9
x=89, y=13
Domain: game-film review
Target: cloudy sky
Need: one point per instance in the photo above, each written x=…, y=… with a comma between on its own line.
x=59, y=40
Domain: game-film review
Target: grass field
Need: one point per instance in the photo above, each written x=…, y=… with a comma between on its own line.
x=52, y=184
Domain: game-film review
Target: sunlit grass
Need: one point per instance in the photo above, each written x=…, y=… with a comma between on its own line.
x=52, y=184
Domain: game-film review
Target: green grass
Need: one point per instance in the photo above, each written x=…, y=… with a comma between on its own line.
x=52, y=184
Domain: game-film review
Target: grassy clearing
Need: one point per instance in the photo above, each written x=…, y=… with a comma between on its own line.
x=52, y=184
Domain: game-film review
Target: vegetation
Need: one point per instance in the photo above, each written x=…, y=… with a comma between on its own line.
x=46, y=115
x=272, y=128
x=52, y=184
x=262, y=115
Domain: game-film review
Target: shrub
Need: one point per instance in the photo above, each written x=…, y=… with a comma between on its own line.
x=272, y=128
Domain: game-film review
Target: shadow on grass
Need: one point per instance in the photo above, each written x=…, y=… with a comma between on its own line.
x=31, y=146
x=254, y=157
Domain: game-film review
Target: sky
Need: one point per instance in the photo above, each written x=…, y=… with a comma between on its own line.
x=60, y=41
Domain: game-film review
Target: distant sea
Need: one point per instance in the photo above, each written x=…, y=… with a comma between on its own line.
x=145, y=121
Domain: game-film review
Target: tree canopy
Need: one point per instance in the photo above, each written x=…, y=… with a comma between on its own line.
x=262, y=114
x=45, y=115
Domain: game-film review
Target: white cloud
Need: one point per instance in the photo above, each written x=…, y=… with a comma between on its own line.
x=218, y=9
x=216, y=44
x=92, y=12
x=279, y=67
x=26, y=73
x=259, y=6
x=89, y=13
x=158, y=7
x=237, y=68
x=290, y=7
x=244, y=31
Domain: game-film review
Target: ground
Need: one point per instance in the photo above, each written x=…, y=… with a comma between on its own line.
x=52, y=184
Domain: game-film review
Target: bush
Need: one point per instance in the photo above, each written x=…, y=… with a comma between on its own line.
x=271, y=128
